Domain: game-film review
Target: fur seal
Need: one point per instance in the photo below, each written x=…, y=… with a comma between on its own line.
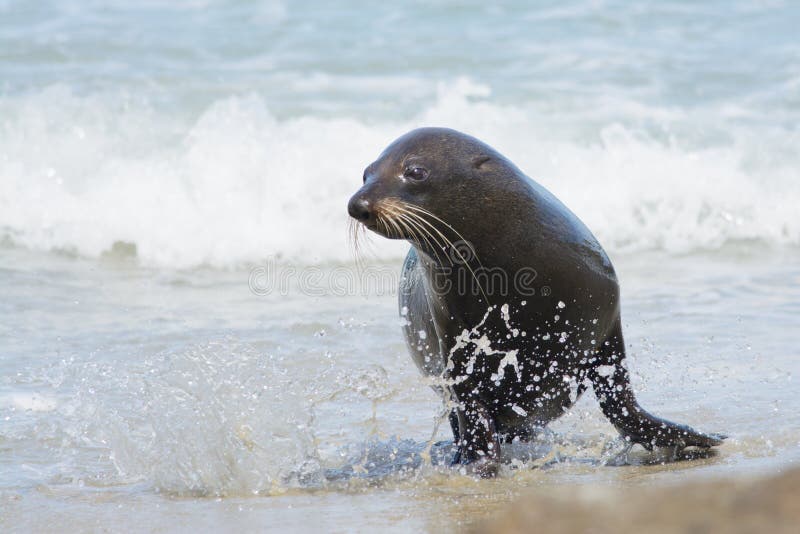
x=509, y=300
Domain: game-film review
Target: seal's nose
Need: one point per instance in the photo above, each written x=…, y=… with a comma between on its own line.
x=359, y=208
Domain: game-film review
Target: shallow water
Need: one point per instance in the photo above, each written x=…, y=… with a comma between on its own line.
x=130, y=392
x=184, y=340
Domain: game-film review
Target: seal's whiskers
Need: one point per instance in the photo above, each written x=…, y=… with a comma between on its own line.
x=423, y=211
x=395, y=209
x=355, y=232
x=398, y=208
x=418, y=214
x=418, y=230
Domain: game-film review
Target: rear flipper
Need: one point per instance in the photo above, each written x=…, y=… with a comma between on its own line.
x=612, y=386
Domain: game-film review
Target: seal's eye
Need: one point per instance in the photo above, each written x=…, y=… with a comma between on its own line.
x=416, y=173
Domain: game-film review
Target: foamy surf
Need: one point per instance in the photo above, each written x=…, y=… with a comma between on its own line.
x=92, y=174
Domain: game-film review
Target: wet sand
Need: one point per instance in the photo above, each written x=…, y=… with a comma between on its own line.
x=769, y=504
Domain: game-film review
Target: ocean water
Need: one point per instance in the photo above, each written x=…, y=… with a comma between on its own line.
x=185, y=342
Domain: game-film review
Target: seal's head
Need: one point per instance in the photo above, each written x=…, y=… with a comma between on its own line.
x=424, y=183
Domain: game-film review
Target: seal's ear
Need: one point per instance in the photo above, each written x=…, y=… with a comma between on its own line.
x=479, y=160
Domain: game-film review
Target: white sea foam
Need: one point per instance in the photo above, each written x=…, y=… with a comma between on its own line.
x=237, y=185
x=29, y=402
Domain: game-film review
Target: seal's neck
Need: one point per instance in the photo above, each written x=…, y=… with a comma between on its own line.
x=456, y=290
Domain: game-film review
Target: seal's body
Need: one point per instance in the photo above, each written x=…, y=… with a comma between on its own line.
x=508, y=298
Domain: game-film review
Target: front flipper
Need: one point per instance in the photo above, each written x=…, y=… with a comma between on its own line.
x=478, y=445
x=612, y=386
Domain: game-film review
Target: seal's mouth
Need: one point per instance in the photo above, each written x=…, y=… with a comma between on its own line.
x=382, y=224
x=394, y=218
x=399, y=219
x=382, y=217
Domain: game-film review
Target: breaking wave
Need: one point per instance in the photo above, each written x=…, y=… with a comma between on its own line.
x=98, y=173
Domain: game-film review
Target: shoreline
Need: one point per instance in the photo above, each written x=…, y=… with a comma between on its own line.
x=742, y=505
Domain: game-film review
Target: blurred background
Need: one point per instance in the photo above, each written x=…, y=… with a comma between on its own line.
x=201, y=131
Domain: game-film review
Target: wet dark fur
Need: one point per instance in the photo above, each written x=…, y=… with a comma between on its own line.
x=573, y=334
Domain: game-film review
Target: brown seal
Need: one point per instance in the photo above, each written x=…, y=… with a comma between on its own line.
x=508, y=298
